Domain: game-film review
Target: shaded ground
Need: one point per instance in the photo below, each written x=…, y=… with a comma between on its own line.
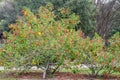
x=57, y=76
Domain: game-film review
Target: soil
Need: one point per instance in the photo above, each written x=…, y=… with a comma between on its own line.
x=60, y=76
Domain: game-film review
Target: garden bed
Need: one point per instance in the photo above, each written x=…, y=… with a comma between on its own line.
x=57, y=76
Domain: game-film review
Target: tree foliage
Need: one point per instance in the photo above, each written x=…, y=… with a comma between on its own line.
x=38, y=40
x=41, y=40
x=86, y=10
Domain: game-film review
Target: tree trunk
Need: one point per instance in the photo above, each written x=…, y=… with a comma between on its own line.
x=46, y=70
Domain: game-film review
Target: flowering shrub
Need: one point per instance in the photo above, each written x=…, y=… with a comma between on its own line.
x=98, y=58
x=114, y=53
x=38, y=39
x=46, y=42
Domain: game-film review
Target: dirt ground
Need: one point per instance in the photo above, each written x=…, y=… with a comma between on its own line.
x=60, y=76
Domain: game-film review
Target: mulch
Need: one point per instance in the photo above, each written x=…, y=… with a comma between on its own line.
x=60, y=76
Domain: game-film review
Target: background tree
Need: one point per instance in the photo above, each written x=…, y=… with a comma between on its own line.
x=86, y=10
x=107, y=17
x=7, y=13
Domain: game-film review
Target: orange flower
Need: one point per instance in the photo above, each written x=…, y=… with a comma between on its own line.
x=107, y=62
x=113, y=60
x=21, y=35
x=105, y=56
x=24, y=12
x=34, y=33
